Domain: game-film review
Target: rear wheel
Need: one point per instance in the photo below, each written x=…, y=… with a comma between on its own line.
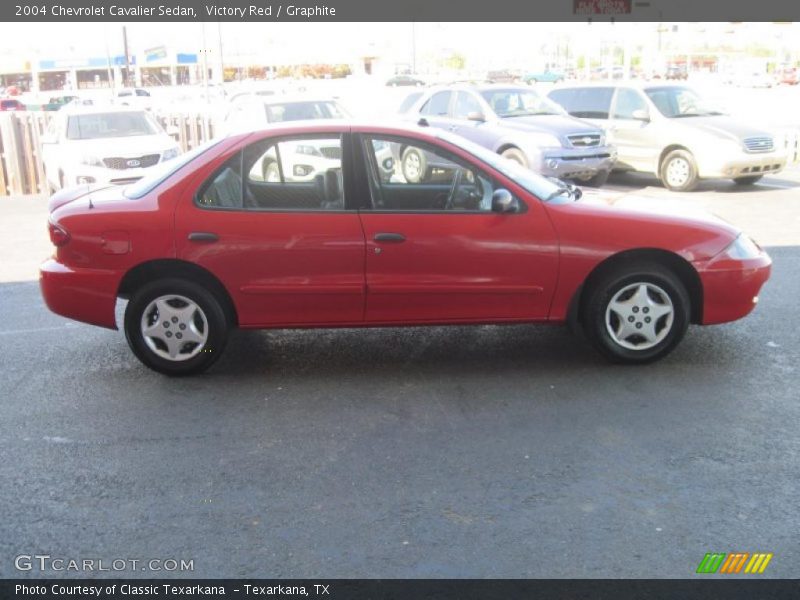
x=176, y=327
x=678, y=171
x=637, y=313
x=747, y=180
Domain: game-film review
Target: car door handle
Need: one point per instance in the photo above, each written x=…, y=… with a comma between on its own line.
x=203, y=236
x=390, y=237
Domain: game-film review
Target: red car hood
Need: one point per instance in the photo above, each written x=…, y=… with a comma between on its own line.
x=607, y=222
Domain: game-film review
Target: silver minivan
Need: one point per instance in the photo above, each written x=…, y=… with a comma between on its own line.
x=671, y=131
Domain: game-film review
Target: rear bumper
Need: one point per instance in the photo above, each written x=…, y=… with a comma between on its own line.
x=731, y=288
x=87, y=295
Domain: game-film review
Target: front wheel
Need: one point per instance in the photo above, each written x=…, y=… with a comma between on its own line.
x=636, y=314
x=678, y=171
x=414, y=165
x=176, y=327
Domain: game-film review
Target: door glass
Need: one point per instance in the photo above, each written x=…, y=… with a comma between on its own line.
x=628, y=102
x=438, y=105
x=409, y=176
x=466, y=103
x=291, y=174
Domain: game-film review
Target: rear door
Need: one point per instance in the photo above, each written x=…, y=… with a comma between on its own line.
x=436, y=252
x=273, y=224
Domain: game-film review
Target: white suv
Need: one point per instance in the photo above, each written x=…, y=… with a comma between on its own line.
x=86, y=144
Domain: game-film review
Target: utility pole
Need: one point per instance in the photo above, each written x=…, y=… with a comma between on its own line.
x=127, y=55
x=413, y=47
x=221, y=62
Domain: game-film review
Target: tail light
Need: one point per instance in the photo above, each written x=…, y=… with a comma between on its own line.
x=58, y=235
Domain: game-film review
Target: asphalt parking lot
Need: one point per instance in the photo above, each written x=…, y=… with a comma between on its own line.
x=424, y=452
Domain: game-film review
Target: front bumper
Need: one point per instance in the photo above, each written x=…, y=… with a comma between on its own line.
x=731, y=287
x=740, y=164
x=567, y=163
x=87, y=295
x=85, y=174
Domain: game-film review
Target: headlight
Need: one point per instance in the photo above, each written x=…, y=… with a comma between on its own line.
x=91, y=161
x=743, y=248
x=543, y=140
x=170, y=153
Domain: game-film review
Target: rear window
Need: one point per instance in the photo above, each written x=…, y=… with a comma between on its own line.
x=300, y=111
x=585, y=103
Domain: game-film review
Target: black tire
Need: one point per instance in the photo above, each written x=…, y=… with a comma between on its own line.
x=597, y=318
x=215, y=320
x=685, y=159
x=516, y=155
x=414, y=165
x=747, y=180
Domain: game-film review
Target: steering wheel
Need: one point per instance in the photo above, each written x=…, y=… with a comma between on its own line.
x=451, y=198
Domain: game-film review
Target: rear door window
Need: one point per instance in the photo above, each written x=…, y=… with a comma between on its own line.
x=438, y=105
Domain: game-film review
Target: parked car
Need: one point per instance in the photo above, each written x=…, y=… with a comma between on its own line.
x=405, y=80
x=86, y=144
x=673, y=132
x=200, y=246
x=787, y=76
x=11, y=104
x=136, y=97
x=249, y=112
x=546, y=76
x=754, y=79
x=502, y=76
x=678, y=72
x=519, y=123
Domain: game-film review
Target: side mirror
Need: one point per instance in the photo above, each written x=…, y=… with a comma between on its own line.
x=172, y=130
x=641, y=114
x=476, y=116
x=504, y=202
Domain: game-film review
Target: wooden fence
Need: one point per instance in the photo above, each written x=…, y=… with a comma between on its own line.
x=22, y=171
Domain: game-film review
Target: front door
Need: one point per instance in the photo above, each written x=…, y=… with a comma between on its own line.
x=632, y=132
x=271, y=223
x=436, y=252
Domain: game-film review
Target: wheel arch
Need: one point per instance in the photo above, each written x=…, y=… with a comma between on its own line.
x=666, y=151
x=679, y=265
x=152, y=270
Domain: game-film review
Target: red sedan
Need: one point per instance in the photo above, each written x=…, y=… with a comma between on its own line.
x=314, y=226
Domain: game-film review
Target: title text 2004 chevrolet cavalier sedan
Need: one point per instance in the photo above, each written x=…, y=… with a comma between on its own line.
x=208, y=243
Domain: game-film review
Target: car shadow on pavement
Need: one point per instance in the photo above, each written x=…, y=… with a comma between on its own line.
x=725, y=186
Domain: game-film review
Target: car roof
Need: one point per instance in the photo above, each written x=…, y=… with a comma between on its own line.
x=399, y=127
x=88, y=109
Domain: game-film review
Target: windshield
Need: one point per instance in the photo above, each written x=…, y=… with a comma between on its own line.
x=519, y=103
x=161, y=171
x=678, y=102
x=533, y=182
x=299, y=111
x=111, y=125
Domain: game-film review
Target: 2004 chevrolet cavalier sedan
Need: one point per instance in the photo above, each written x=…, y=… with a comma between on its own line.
x=209, y=242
